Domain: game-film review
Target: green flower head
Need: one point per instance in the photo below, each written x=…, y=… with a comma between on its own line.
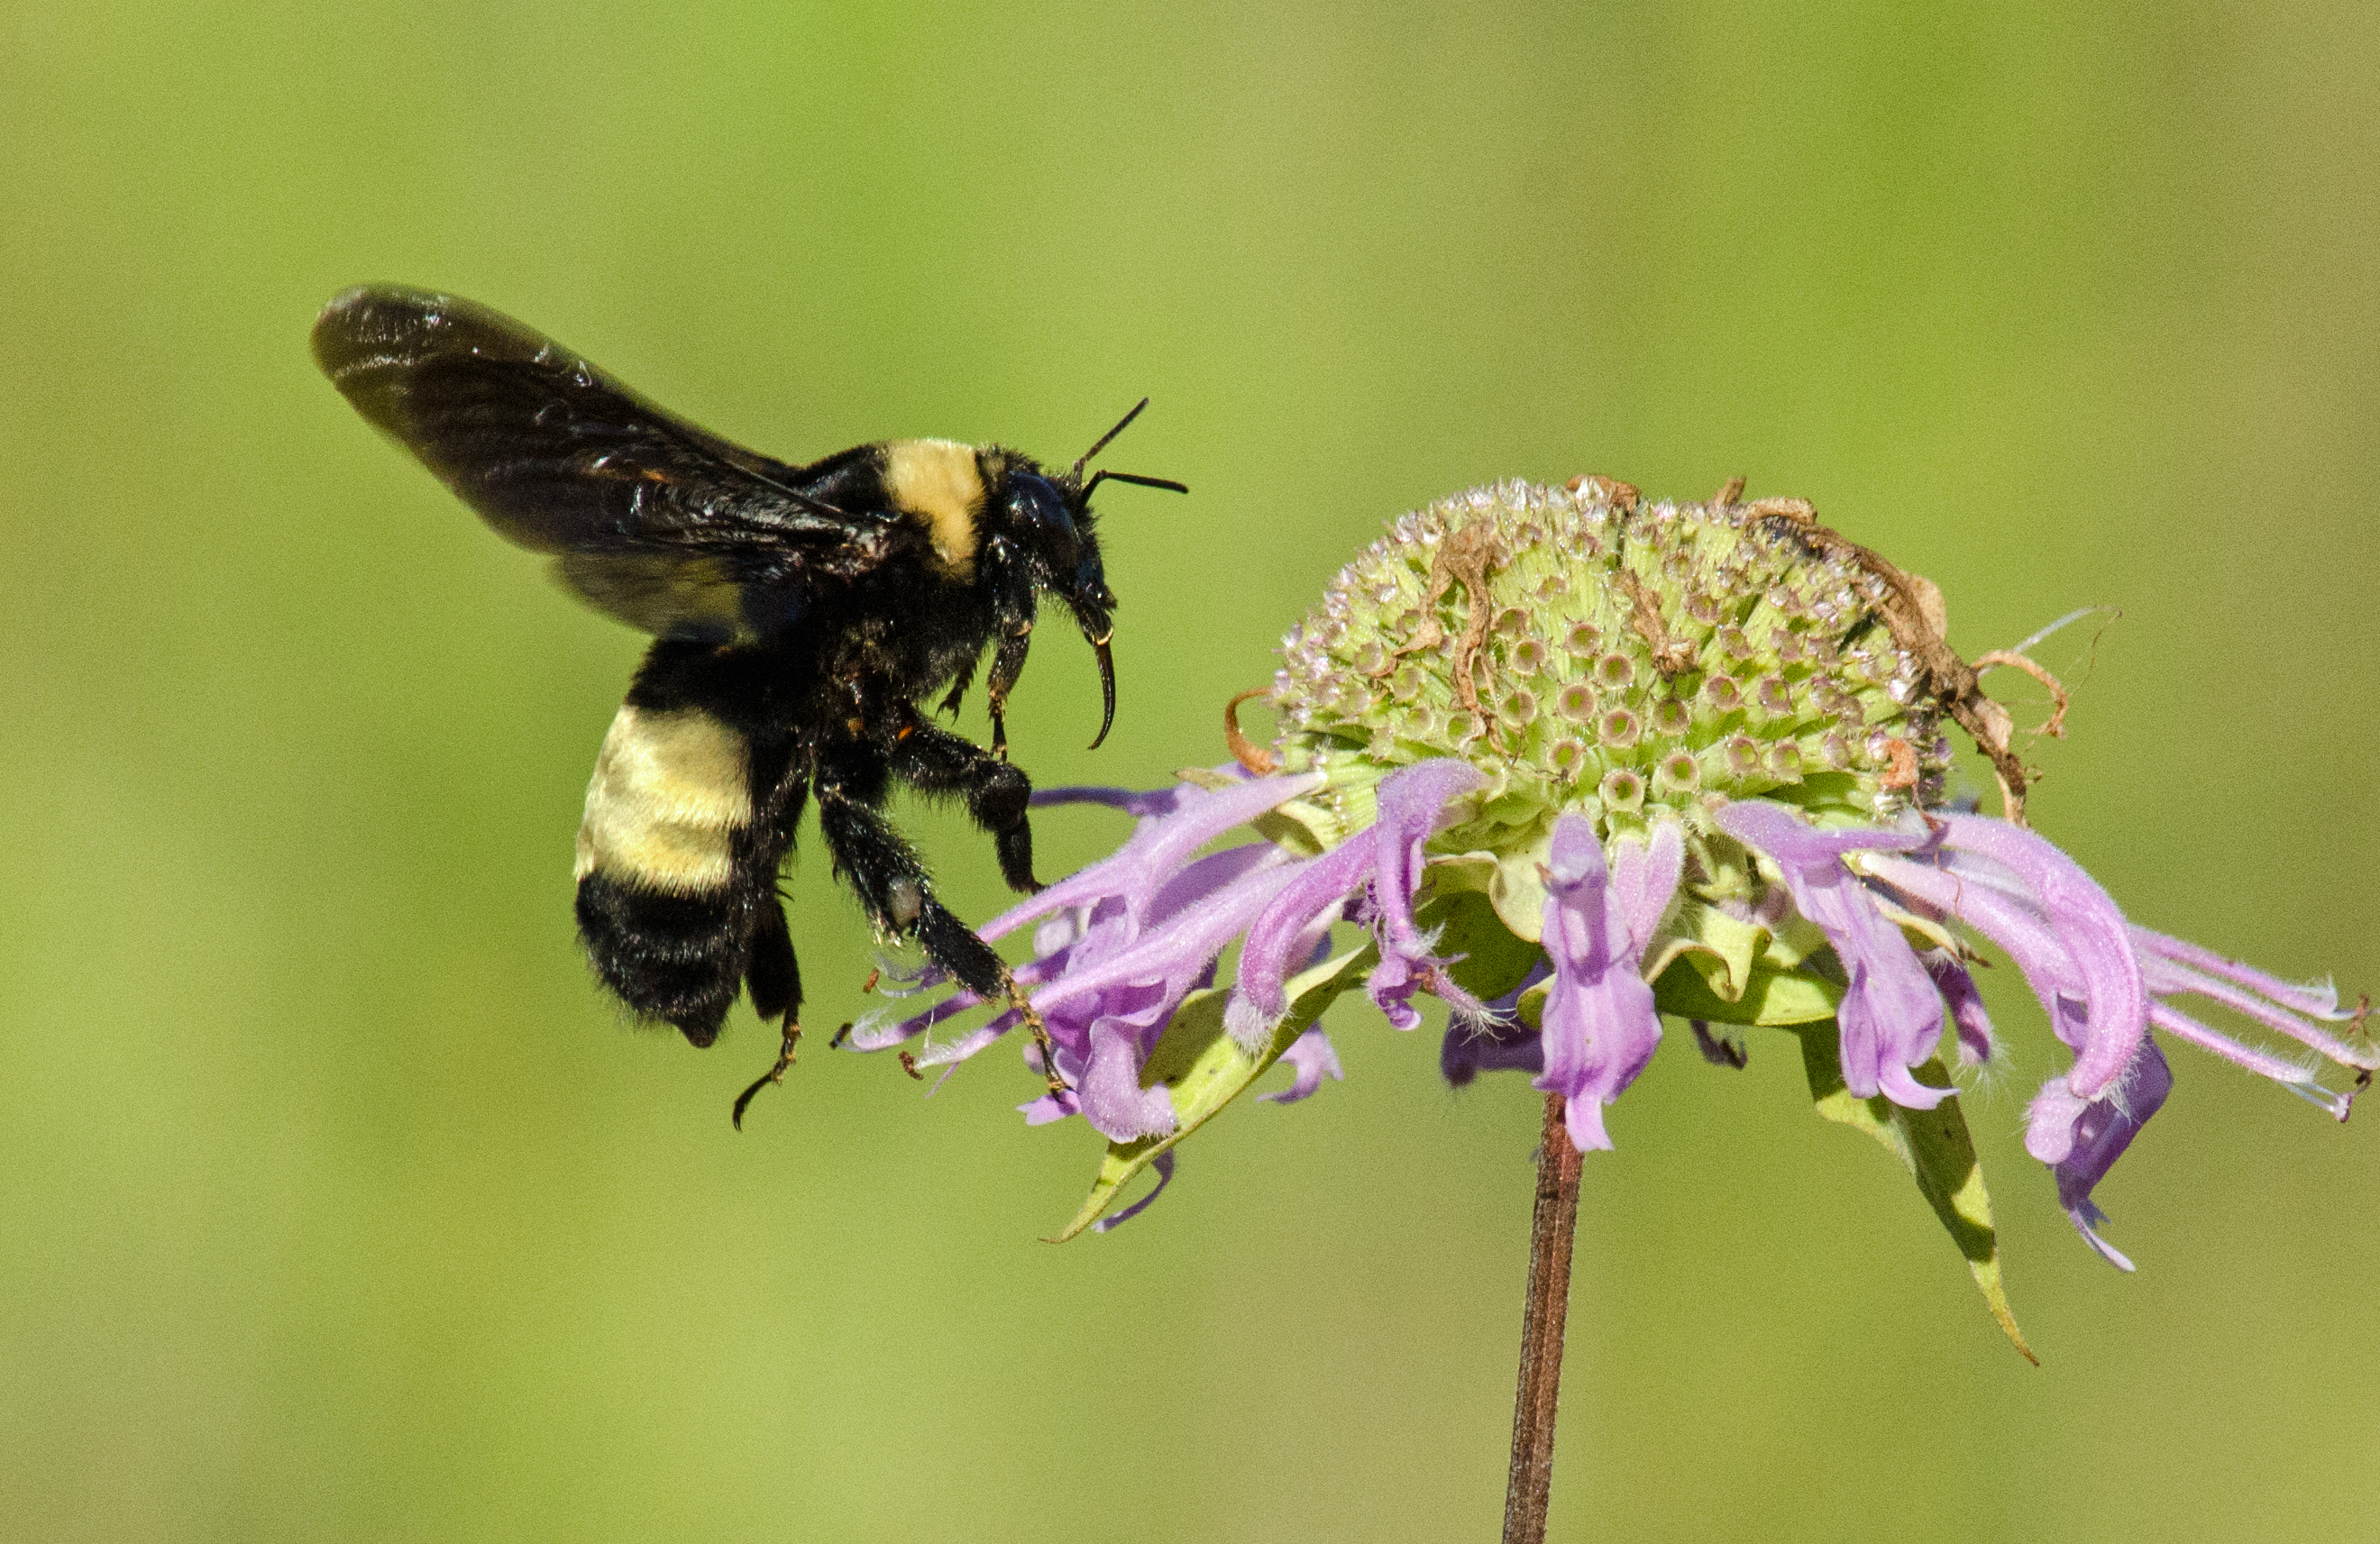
x=1596, y=655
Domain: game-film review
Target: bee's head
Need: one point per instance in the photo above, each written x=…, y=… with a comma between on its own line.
x=1045, y=518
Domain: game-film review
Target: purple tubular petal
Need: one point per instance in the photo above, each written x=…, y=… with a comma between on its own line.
x=1312, y=1057
x=1583, y=1117
x=873, y=1032
x=1442, y=986
x=1049, y=1108
x=2049, y=1122
x=2181, y=1026
x=1412, y=804
x=2101, y=979
x=1207, y=876
x=1645, y=876
x=967, y=1045
x=2315, y=1001
x=1187, y=941
x=1217, y=812
x=1131, y=801
x=1473, y=1046
x=1890, y=1017
x=1391, y=985
x=1118, y=987
x=1411, y=801
x=1163, y=1164
x=2105, y=1129
x=1600, y=1025
x=2014, y=926
x=2095, y=936
x=1316, y=890
x=2168, y=977
x=1893, y=1079
x=1966, y=1004
x=1119, y=944
x=1783, y=836
x=1110, y=1096
x=1157, y=847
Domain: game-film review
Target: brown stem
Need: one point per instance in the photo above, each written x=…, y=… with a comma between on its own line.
x=1551, y=1231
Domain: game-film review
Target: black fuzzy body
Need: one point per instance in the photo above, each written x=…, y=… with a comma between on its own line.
x=678, y=955
x=802, y=614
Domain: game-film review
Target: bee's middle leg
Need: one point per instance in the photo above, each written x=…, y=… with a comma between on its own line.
x=891, y=882
x=934, y=761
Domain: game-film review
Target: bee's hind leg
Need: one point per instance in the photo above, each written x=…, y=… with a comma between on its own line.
x=773, y=979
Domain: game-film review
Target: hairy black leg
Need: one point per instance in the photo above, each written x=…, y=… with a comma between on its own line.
x=774, y=980
x=885, y=871
x=934, y=761
x=957, y=693
x=891, y=880
x=771, y=975
x=1007, y=665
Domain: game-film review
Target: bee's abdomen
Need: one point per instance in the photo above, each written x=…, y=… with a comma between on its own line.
x=676, y=958
x=664, y=871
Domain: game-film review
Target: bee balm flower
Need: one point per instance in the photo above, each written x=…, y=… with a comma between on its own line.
x=1571, y=762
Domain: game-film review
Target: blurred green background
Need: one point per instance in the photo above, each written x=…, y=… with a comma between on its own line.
x=337, y=1203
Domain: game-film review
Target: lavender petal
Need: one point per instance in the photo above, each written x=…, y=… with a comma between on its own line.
x=2101, y=1133
x=2093, y=932
x=1316, y=890
x=1600, y=1026
x=1312, y=1057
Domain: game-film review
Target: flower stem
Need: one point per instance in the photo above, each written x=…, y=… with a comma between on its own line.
x=1551, y=1231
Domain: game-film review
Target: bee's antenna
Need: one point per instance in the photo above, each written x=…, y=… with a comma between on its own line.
x=1122, y=424
x=1165, y=482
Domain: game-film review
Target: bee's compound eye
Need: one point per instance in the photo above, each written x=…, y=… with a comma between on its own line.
x=1042, y=516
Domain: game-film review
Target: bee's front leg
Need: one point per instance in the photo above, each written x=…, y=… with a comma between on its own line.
x=1007, y=665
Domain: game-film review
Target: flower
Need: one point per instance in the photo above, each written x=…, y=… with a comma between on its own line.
x=1680, y=759
x=2103, y=983
x=1121, y=945
x=1599, y=1025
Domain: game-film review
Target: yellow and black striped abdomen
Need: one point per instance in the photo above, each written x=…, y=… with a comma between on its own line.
x=672, y=792
x=670, y=879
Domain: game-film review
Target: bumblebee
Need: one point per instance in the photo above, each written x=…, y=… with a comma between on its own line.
x=800, y=614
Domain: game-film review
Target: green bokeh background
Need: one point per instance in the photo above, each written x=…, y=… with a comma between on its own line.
x=339, y=1206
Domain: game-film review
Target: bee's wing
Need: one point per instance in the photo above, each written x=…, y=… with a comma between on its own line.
x=659, y=523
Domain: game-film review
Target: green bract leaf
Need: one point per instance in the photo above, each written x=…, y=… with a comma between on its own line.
x=1304, y=828
x=1450, y=872
x=1203, y=1069
x=1697, y=983
x=1511, y=881
x=1936, y=1148
x=1731, y=944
